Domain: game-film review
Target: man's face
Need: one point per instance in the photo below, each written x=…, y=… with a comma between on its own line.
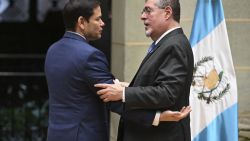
x=94, y=26
x=153, y=19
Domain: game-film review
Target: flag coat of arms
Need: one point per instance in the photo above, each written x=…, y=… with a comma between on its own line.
x=213, y=94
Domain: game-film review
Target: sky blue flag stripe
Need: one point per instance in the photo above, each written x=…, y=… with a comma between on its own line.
x=208, y=15
x=227, y=132
x=204, y=21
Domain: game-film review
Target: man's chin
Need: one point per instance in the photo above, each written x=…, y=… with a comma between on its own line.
x=147, y=34
x=95, y=38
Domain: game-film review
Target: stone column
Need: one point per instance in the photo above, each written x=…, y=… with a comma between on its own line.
x=129, y=44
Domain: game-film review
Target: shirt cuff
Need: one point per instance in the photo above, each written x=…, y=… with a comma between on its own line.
x=123, y=94
x=157, y=118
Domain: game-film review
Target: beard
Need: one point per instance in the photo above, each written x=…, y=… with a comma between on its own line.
x=148, y=33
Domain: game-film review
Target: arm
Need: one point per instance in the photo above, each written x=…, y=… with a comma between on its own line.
x=100, y=73
x=144, y=117
x=96, y=70
x=169, y=115
x=168, y=85
x=155, y=92
x=97, y=67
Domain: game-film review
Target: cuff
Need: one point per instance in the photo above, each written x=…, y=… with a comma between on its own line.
x=123, y=94
x=157, y=118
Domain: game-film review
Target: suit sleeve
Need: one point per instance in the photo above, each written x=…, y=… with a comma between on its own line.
x=169, y=83
x=98, y=68
x=142, y=117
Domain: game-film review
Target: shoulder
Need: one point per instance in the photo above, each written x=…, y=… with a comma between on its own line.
x=176, y=45
x=81, y=48
x=73, y=50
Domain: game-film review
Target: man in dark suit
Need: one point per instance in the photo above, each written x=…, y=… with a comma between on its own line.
x=72, y=67
x=163, y=79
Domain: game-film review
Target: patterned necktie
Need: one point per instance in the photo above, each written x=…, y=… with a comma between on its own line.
x=152, y=47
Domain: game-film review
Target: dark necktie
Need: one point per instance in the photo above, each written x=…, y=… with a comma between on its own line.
x=152, y=47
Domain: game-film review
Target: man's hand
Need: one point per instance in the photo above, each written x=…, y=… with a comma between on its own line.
x=175, y=115
x=110, y=92
x=123, y=84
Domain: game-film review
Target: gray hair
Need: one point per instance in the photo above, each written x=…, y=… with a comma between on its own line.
x=174, y=4
x=163, y=3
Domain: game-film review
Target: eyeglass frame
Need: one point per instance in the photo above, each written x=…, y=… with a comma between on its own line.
x=148, y=10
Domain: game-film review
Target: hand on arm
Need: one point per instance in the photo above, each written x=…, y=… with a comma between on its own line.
x=175, y=115
x=110, y=92
x=123, y=84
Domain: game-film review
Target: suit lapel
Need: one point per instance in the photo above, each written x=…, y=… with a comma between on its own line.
x=158, y=45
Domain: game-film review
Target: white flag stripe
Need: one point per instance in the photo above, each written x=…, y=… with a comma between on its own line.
x=216, y=45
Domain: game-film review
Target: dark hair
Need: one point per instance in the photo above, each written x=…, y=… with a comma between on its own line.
x=174, y=4
x=76, y=8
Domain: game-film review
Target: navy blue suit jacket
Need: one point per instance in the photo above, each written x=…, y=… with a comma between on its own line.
x=76, y=113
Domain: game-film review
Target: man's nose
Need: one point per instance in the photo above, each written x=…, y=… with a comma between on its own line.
x=102, y=23
x=143, y=16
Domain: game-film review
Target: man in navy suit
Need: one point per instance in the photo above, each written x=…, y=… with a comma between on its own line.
x=72, y=67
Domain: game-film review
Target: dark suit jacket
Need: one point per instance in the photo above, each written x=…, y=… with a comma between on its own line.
x=76, y=113
x=162, y=82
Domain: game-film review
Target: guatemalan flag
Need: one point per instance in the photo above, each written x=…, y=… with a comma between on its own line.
x=213, y=94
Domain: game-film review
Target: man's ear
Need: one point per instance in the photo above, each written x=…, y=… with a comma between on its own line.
x=81, y=22
x=168, y=11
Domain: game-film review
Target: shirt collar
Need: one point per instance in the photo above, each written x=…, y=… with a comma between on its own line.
x=77, y=34
x=165, y=33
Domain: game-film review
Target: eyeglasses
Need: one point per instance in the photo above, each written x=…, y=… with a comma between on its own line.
x=146, y=10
